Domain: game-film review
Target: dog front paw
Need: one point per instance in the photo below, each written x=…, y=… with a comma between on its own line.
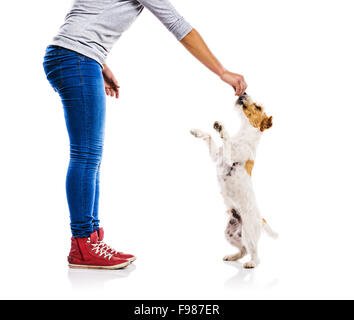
x=197, y=133
x=218, y=126
x=200, y=134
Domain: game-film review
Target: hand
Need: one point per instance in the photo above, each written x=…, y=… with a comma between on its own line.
x=236, y=81
x=110, y=82
x=195, y=44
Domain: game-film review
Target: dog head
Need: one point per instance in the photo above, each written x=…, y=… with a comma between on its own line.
x=253, y=113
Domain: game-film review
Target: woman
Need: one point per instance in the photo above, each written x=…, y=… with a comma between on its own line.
x=75, y=67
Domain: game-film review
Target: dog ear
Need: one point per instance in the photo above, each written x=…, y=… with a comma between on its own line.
x=266, y=123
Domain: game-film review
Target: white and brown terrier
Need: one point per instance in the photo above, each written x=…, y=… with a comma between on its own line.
x=235, y=161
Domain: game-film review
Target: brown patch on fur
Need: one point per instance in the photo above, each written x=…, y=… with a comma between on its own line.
x=264, y=220
x=249, y=166
x=257, y=116
x=266, y=123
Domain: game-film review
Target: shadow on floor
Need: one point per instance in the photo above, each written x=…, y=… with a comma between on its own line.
x=91, y=278
x=247, y=278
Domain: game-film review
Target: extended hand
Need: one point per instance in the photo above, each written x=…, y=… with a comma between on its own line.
x=236, y=81
x=195, y=44
x=110, y=82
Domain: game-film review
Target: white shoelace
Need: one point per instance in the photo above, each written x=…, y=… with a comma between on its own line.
x=107, y=247
x=100, y=250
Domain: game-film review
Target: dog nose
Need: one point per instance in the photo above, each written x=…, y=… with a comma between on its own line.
x=241, y=100
x=244, y=96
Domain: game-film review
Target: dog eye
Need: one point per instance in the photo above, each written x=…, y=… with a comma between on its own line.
x=258, y=108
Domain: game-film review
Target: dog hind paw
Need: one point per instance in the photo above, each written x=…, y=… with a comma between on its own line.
x=233, y=257
x=249, y=265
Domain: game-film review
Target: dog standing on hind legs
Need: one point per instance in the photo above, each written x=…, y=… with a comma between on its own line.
x=234, y=163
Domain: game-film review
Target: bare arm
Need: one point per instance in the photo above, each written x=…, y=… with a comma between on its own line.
x=195, y=44
x=190, y=38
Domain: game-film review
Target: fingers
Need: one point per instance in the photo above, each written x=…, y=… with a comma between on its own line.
x=110, y=82
x=116, y=92
x=109, y=91
x=112, y=91
x=240, y=87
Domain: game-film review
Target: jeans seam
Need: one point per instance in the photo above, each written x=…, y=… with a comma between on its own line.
x=79, y=64
x=85, y=115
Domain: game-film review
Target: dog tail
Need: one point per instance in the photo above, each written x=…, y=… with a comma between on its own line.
x=268, y=229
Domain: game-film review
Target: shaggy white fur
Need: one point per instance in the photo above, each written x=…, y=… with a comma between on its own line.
x=234, y=163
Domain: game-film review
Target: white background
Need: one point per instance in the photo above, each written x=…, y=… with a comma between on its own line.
x=159, y=195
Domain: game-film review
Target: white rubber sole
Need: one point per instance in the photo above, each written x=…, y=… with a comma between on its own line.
x=115, y=267
x=131, y=259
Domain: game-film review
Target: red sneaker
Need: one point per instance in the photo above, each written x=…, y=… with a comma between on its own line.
x=115, y=253
x=88, y=253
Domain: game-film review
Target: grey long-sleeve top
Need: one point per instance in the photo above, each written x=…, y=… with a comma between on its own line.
x=93, y=26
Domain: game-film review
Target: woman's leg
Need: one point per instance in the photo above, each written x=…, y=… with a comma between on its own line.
x=83, y=98
x=79, y=81
x=84, y=108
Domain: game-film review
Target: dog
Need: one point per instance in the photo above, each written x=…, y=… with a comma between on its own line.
x=234, y=163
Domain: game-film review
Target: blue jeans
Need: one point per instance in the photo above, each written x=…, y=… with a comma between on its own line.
x=79, y=82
